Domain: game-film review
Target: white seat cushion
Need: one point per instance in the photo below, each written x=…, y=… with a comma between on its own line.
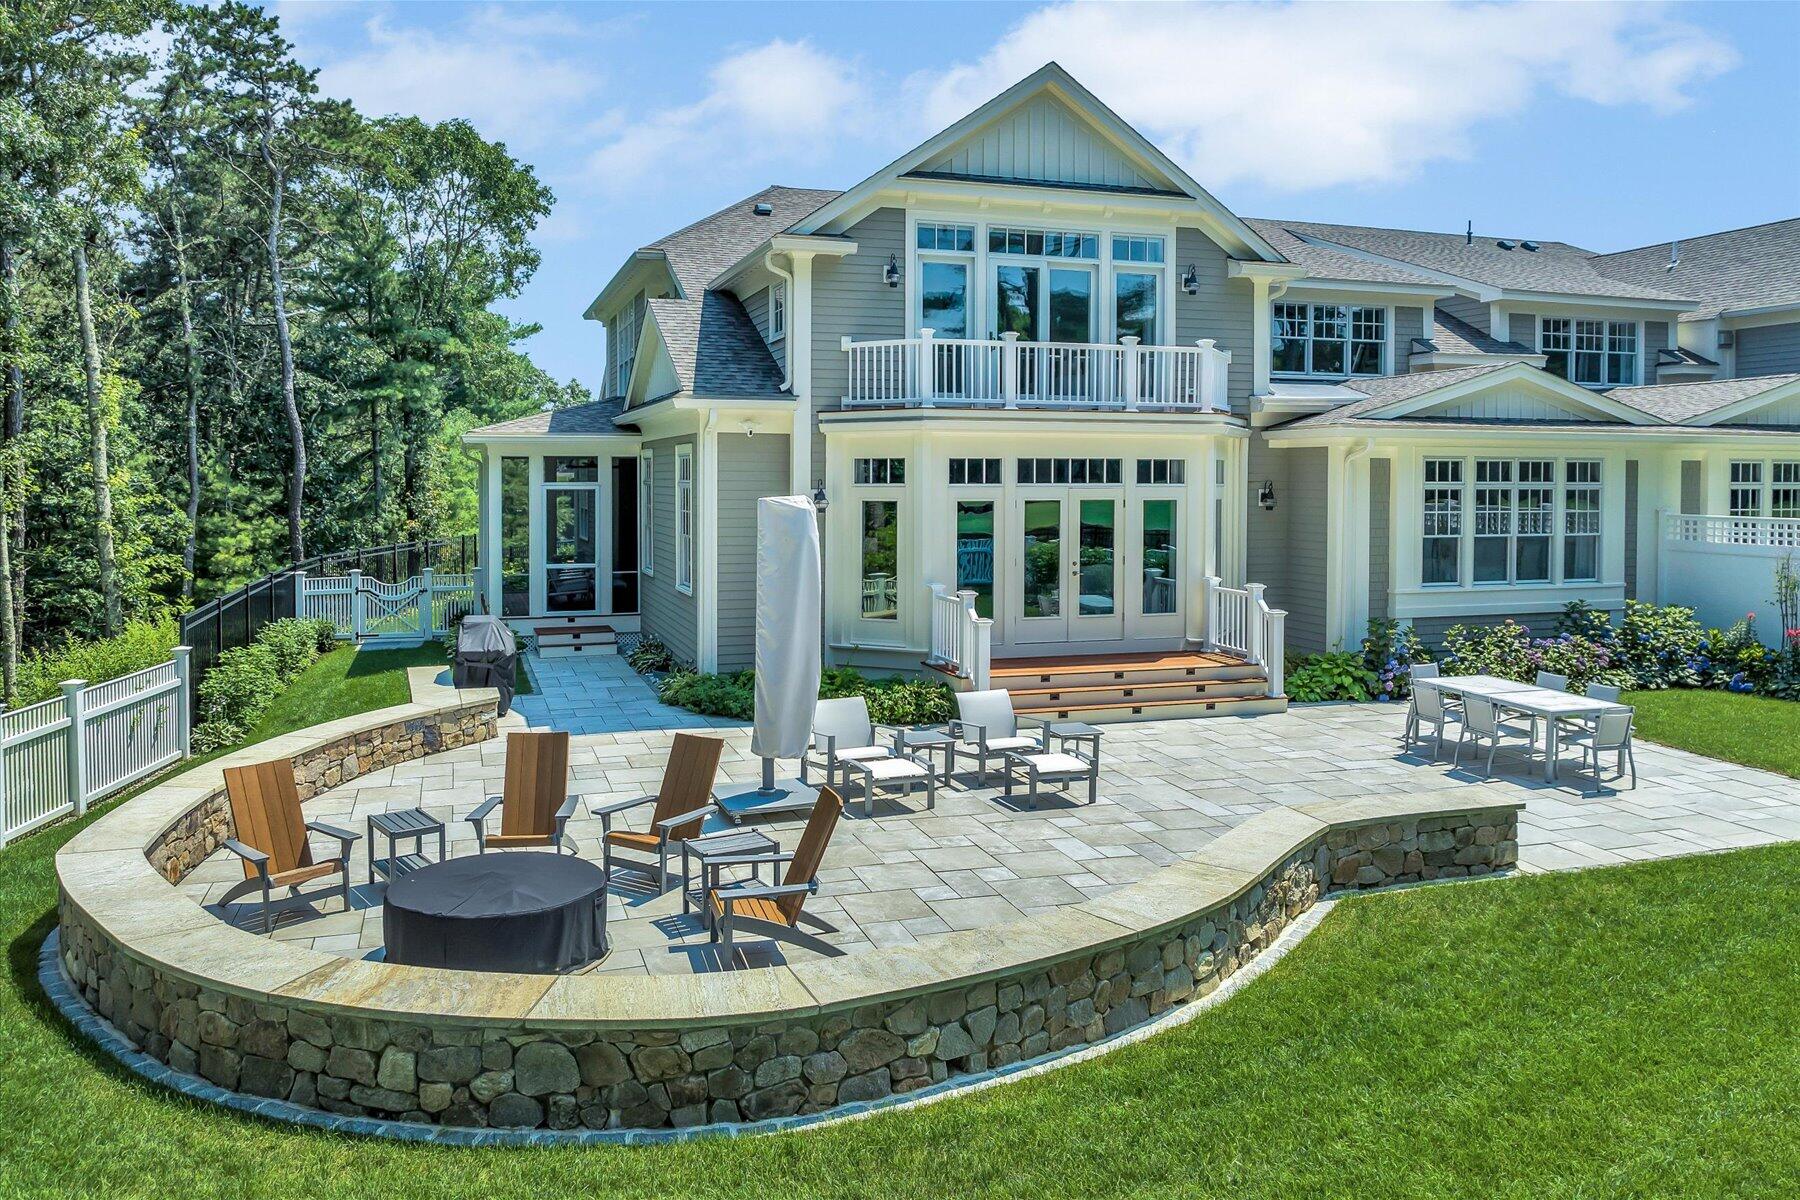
x=1053, y=763
x=891, y=770
x=864, y=753
x=1012, y=743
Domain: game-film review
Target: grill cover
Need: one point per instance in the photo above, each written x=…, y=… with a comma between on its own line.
x=485, y=657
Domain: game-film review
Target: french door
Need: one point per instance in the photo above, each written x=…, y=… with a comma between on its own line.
x=1048, y=304
x=1066, y=556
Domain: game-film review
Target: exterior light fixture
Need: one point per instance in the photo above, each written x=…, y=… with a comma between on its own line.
x=890, y=274
x=1266, y=497
x=1190, y=281
x=818, y=498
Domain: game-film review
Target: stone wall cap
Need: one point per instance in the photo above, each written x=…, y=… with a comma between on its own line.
x=1412, y=806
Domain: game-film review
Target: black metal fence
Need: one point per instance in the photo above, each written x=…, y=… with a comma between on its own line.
x=233, y=619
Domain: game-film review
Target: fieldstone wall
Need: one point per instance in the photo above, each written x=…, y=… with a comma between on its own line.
x=465, y=1073
x=204, y=828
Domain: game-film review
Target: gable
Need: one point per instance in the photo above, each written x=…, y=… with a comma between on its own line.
x=1045, y=141
x=1511, y=402
x=1781, y=412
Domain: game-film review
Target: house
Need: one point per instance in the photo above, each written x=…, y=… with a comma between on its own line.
x=1059, y=401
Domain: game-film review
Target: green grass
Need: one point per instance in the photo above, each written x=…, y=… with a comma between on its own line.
x=1753, y=730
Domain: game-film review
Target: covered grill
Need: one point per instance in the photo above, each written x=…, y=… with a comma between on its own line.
x=485, y=657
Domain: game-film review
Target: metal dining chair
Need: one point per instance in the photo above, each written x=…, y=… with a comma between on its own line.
x=1610, y=734
x=1482, y=724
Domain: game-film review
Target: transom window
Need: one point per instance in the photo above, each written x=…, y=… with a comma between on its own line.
x=777, y=311
x=1137, y=249
x=956, y=238
x=1765, y=489
x=1590, y=352
x=1328, y=339
x=1161, y=470
x=1522, y=510
x=1069, y=470
x=880, y=470
x=1047, y=243
x=975, y=470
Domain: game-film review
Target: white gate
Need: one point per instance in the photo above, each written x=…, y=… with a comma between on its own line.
x=368, y=610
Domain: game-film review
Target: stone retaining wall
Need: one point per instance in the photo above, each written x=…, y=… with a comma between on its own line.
x=517, y=1051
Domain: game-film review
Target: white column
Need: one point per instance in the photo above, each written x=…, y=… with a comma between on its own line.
x=184, y=665
x=74, y=706
x=800, y=354
x=1259, y=337
x=1133, y=365
x=488, y=545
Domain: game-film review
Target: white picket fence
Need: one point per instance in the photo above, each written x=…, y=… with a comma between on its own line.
x=61, y=755
x=367, y=610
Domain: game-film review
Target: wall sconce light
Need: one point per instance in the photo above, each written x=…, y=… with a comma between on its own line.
x=1190, y=280
x=1266, y=497
x=818, y=498
x=890, y=274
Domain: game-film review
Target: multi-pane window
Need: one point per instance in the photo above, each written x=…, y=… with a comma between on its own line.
x=1443, y=520
x=1784, y=490
x=1760, y=489
x=959, y=238
x=1493, y=520
x=1515, y=520
x=880, y=470
x=1069, y=470
x=1581, y=520
x=1137, y=249
x=1045, y=243
x=647, y=512
x=1745, y=496
x=1161, y=470
x=777, y=311
x=1328, y=339
x=880, y=547
x=975, y=470
x=684, y=519
x=1600, y=353
x=625, y=339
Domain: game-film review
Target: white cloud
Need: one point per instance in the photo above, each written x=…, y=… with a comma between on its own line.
x=777, y=102
x=1316, y=95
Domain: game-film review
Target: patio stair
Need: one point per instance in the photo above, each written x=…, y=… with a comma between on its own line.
x=569, y=636
x=1135, y=687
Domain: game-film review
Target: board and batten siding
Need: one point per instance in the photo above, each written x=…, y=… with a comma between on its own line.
x=1380, y=478
x=1409, y=323
x=749, y=469
x=1768, y=350
x=1220, y=311
x=1303, y=590
x=668, y=615
x=1042, y=141
x=850, y=300
x=1692, y=501
x=1472, y=312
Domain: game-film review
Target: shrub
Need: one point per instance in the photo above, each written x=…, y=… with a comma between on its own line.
x=246, y=679
x=650, y=656
x=1509, y=651
x=1659, y=645
x=892, y=701
x=325, y=634
x=1339, y=675
x=143, y=644
x=294, y=642
x=731, y=696
x=1389, y=652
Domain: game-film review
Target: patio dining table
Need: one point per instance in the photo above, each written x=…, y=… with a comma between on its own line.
x=1548, y=703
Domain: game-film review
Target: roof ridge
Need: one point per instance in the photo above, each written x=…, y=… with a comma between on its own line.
x=1698, y=237
x=1424, y=232
x=721, y=211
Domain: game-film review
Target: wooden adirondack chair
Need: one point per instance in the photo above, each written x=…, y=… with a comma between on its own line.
x=776, y=905
x=684, y=807
x=271, y=834
x=536, y=799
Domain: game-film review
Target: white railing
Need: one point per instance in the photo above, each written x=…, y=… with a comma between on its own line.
x=962, y=641
x=1779, y=533
x=365, y=609
x=1239, y=621
x=61, y=755
x=928, y=370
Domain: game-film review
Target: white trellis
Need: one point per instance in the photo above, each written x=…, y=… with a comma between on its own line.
x=367, y=610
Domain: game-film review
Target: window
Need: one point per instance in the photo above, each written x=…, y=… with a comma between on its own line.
x=1137, y=249
x=880, y=560
x=1069, y=470
x=880, y=470
x=1598, y=353
x=1041, y=243
x=515, y=537
x=1581, y=521
x=956, y=238
x=571, y=470
x=1161, y=470
x=975, y=470
x=625, y=331
x=1161, y=562
x=1328, y=339
x=1443, y=520
x=1784, y=490
x=1515, y=512
x=647, y=512
x=1745, y=496
x=777, y=311
x=684, y=519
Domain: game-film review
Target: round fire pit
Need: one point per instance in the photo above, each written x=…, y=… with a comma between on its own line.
x=520, y=911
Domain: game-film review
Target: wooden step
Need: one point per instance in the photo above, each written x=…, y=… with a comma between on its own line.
x=1165, y=710
x=1134, y=691
x=572, y=626
x=1014, y=678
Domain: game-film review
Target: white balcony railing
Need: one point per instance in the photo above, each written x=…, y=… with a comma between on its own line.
x=928, y=370
x=1239, y=621
x=961, y=640
x=1777, y=533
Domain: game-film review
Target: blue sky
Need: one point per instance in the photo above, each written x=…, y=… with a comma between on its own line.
x=1606, y=125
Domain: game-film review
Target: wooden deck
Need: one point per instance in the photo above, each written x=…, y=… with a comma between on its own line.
x=1153, y=660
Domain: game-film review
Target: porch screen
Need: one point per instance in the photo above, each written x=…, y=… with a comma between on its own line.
x=515, y=537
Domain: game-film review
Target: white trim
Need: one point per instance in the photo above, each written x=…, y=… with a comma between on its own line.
x=1749, y=404
x=646, y=513
x=776, y=303
x=684, y=519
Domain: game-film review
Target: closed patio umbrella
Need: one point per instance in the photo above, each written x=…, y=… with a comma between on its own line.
x=788, y=623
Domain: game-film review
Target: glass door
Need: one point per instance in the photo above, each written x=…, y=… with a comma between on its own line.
x=1094, y=574
x=1043, y=569
x=944, y=309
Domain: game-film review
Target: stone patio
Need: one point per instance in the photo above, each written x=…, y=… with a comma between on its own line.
x=600, y=693
x=1167, y=789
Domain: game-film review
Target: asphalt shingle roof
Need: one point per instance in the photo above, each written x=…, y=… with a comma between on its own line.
x=1383, y=390
x=1758, y=267
x=1452, y=335
x=576, y=420
x=715, y=347
x=1555, y=267
x=1324, y=262
x=1676, y=402
x=699, y=252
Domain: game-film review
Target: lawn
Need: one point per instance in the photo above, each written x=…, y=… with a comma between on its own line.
x=1753, y=730
x=1617, y=1032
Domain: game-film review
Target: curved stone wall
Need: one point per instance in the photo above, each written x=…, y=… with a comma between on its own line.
x=613, y=1050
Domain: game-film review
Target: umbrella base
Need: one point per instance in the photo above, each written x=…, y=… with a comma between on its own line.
x=750, y=800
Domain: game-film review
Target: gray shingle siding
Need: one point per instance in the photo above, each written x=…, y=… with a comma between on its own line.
x=1631, y=529
x=1523, y=329
x=667, y=613
x=1656, y=337
x=1220, y=311
x=849, y=299
x=1431, y=629
x=1768, y=350
x=1266, y=533
x=1464, y=309
x=749, y=468
x=1409, y=323
x=756, y=307
x=1303, y=589
x=1380, y=473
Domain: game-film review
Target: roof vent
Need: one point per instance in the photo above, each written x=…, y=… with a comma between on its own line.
x=1504, y=244
x=1674, y=255
x=763, y=208
x=1531, y=246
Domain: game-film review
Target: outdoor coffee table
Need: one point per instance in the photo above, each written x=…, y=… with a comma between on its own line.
x=413, y=823
x=932, y=740
x=714, y=847
x=1076, y=731
x=521, y=911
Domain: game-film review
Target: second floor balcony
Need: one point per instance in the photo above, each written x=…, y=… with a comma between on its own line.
x=1005, y=372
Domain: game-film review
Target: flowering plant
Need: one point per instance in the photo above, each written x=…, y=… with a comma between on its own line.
x=1389, y=652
